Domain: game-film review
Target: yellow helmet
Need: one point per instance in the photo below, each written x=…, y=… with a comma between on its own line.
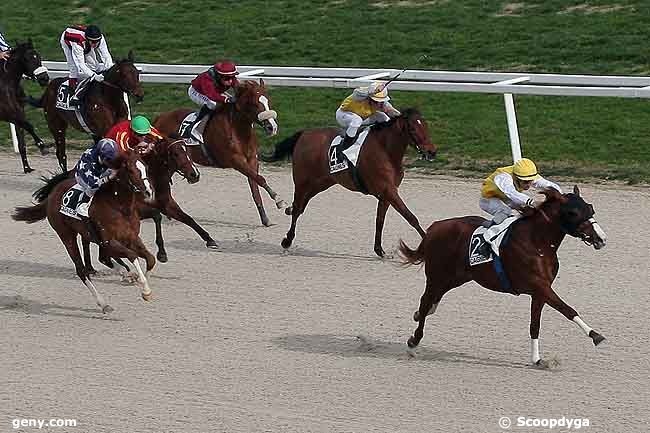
x=378, y=92
x=525, y=169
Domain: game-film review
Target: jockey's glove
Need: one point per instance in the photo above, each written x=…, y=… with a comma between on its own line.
x=98, y=77
x=230, y=99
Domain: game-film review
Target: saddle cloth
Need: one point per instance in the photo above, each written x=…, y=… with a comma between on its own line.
x=189, y=131
x=73, y=200
x=477, y=240
x=351, y=153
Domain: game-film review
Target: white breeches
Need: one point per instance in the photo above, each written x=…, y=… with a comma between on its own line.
x=200, y=99
x=497, y=208
x=352, y=121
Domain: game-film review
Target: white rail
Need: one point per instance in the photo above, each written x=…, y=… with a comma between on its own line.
x=508, y=84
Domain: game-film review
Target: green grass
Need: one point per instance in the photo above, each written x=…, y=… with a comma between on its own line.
x=604, y=138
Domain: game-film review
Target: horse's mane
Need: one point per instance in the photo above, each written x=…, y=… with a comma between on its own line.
x=406, y=114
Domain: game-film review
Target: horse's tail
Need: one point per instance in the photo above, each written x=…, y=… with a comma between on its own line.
x=30, y=214
x=409, y=256
x=283, y=149
x=41, y=194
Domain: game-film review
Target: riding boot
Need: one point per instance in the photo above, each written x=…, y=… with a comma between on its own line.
x=343, y=145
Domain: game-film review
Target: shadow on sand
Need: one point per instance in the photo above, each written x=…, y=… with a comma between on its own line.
x=20, y=304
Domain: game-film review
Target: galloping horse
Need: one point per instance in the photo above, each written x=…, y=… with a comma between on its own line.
x=380, y=167
x=102, y=106
x=529, y=260
x=115, y=208
x=229, y=140
x=23, y=60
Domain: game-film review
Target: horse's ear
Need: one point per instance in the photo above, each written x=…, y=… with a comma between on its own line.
x=576, y=190
x=130, y=56
x=552, y=194
x=262, y=82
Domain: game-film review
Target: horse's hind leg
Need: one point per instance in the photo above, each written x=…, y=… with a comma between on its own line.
x=87, y=259
x=554, y=301
x=382, y=207
x=72, y=247
x=160, y=242
x=116, y=250
x=139, y=247
x=300, y=200
x=428, y=304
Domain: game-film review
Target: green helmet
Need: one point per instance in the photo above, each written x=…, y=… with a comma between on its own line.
x=141, y=125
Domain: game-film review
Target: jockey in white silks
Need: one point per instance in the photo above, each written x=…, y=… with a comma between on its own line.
x=4, y=47
x=502, y=192
x=365, y=106
x=87, y=55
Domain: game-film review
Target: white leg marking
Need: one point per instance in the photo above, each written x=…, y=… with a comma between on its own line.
x=98, y=297
x=582, y=325
x=146, y=290
x=534, y=350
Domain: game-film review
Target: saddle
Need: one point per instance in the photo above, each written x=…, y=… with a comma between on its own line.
x=63, y=95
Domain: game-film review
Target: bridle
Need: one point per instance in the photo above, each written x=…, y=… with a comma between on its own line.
x=169, y=162
x=113, y=85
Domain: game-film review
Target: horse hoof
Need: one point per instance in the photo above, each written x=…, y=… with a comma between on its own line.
x=281, y=204
x=162, y=257
x=106, y=261
x=416, y=316
x=380, y=252
x=266, y=222
x=596, y=337
x=43, y=148
x=286, y=243
x=411, y=342
x=212, y=244
x=27, y=169
x=288, y=210
x=106, y=309
x=411, y=352
x=91, y=271
x=147, y=296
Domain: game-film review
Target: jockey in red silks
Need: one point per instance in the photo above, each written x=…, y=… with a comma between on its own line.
x=209, y=89
x=136, y=134
x=87, y=55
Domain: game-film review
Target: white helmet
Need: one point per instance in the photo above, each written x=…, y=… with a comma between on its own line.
x=378, y=92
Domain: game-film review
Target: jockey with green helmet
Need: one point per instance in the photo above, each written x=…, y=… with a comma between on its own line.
x=136, y=134
x=365, y=106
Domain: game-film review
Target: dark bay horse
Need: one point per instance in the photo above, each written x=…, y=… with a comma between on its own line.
x=380, y=167
x=102, y=106
x=114, y=208
x=23, y=60
x=529, y=260
x=230, y=142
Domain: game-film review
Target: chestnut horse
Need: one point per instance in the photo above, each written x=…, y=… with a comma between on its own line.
x=229, y=140
x=114, y=208
x=529, y=260
x=102, y=106
x=380, y=167
x=23, y=60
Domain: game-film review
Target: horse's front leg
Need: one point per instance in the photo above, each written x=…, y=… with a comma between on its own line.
x=554, y=301
x=87, y=259
x=240, y=163
x=173, y=210
x=536, y=305
x=22, y=150
x=392, y=197
x=382, y=207
x=161, y=255
x=116, y=250
x=24, y=124
x=255, y=191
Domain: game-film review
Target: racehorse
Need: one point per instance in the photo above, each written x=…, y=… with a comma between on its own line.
x=380, y=167
x=229, y=140
x=529, y=260
x=114, y=209
x=102, y=106
x=168, y=157
x=23, y=60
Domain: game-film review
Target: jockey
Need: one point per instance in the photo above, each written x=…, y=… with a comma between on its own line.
x=502, y=192
x=137, y=134
x=87, y=55
x=365, y=106
x=96, y=167
x=4, y=47
x=209, y=88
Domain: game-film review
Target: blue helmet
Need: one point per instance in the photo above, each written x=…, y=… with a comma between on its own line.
x=107, y=149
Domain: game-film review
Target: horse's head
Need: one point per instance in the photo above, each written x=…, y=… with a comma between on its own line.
x=416, y=128
x=253, y=102
x=178, y=160
x=29, y=59
x=135, y=172
x=125, y=76
x=577, y=217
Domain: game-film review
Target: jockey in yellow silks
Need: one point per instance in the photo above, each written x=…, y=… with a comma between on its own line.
x=365, y=106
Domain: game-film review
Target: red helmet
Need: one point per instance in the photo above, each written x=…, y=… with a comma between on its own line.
x=228, y=69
